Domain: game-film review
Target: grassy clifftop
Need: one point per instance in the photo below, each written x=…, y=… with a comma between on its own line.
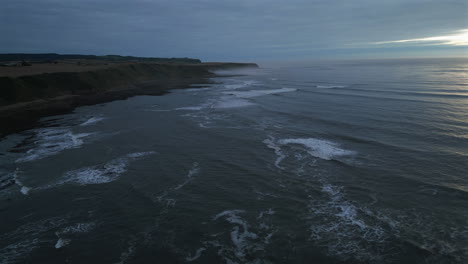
x=49, y=85
x=110, y=58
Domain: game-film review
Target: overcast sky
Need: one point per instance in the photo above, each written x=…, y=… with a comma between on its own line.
x=237, y=30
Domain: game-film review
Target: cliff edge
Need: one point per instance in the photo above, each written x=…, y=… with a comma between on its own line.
x=27, y=94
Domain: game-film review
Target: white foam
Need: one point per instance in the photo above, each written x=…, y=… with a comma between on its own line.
x=78, y=228
x=229, y=102
x=267, y=212
x=255, y=93
x=338, y=222
x=105, y=173
x=140, y=154
x=192, y=172
x=129, y=252
x=319, y=148
x=244, y=242
x=196, y=256
x=230, y=213
x=196, y=89
x=239, y=237
x=51, y=142
x=91, y=121
x=270, y=142
x=24, y=239
x=242, y=84
x=23, y=189
x=97, y=174
x=329, y=86
x=61, y=242
x=191, y=108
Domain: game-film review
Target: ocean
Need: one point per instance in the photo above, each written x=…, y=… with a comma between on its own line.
x=311, y=162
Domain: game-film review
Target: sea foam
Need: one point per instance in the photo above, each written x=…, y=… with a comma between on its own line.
x=242, y=84
x=104, y=173
x=329, y=86
x=51, y=141
x=319, y=148
x=229, y=102
x=92, y=120
x=255, y=93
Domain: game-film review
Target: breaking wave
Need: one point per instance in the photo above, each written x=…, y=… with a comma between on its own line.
x=92, y=120
x=104, y=173
x=255, y=93
x=51, y=141
x=65, y=234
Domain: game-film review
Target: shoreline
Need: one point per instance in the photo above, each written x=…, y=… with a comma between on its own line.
x=62, y=92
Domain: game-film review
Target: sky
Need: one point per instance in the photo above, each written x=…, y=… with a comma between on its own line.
x=237, y=30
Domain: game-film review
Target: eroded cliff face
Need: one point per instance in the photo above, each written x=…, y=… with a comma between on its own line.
x=25, y=99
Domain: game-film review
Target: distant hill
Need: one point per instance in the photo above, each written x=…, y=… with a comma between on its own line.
x=38, y=57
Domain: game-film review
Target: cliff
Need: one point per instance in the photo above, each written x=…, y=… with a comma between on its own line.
x=24, y=99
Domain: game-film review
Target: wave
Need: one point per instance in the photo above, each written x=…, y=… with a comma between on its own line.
x=98, y=174
x=51, y=141
x=64, y=234
x=242, y=84
x=271, y=143
x=318, y=148
x=243, y=243
x=24, y=239
x=255, y=93
x=192, y=172
x=191, y=108
x=105, y=173
x=23, y=189
x=329, y=86
x=92, y=120
x=226, y=102
x=337, y=223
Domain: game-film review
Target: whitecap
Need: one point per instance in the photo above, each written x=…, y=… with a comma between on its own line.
x=196, y=89
x=244, y=242
x=230, y=213
x=63, y=240
x=191, y=173
x=271, y=143
x=100, y=174
x=267, y=212
x=23, y=189
x=319, y=148
x=190, y=108
x=91, y=121
x=228, y=102
x=329, y=86
x=241, y=85
x=255, y=93
x=338, y=222
x=140, y=154
x=197, y=255
x=51, y=142
x=97, y=174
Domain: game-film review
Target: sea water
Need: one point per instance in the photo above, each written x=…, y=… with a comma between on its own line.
x=312, y=162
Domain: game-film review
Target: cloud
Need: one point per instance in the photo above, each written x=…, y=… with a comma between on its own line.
x=224, y=30
x=460, y=38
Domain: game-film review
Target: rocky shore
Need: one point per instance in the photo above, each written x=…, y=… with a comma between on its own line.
x=27, y=97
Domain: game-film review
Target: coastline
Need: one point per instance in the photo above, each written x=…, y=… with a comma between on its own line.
x=25, y=99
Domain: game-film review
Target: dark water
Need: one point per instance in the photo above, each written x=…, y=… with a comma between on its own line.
x=330, y=162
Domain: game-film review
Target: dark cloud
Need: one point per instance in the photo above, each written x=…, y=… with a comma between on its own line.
x=220, y=30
